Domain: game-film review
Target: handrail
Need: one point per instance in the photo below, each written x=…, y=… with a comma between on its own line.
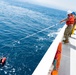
x=47, y=60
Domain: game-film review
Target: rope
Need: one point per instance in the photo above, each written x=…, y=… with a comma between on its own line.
x=37, y=32
x=18, y=42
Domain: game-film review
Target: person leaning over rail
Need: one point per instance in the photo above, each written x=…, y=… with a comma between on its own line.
x=69, y=22
x=74, y=13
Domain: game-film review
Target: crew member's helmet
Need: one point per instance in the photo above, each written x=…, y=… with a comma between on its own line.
x=74, y=13
x=69, y=12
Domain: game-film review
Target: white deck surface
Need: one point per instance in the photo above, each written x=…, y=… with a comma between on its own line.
x=68, y=60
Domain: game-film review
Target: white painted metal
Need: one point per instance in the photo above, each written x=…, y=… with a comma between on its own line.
x=68, y=60
x=46, y=62
x=65, y=60
x=73, y=54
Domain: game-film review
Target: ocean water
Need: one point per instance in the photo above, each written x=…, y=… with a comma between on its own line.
x=26, y=32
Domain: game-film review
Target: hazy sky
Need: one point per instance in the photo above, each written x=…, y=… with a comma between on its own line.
x=59, y=4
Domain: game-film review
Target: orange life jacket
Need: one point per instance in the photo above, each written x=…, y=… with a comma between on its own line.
x=70, y=20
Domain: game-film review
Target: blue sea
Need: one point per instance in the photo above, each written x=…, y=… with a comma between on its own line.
x=26, y=32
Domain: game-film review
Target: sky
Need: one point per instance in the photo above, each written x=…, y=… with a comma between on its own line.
x=58, y=4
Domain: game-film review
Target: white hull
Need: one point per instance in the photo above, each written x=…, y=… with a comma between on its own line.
x=68, y=58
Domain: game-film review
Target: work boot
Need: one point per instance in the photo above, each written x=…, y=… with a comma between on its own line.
x=65, y=41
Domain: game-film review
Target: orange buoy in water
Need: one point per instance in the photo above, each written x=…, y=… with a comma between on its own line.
x=3, y=60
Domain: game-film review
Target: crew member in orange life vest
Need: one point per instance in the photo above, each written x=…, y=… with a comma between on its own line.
x=69, y=22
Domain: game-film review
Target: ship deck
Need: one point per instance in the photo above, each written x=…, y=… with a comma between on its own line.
x=68, y=61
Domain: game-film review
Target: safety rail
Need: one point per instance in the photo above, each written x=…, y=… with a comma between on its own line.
x=47, y=60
